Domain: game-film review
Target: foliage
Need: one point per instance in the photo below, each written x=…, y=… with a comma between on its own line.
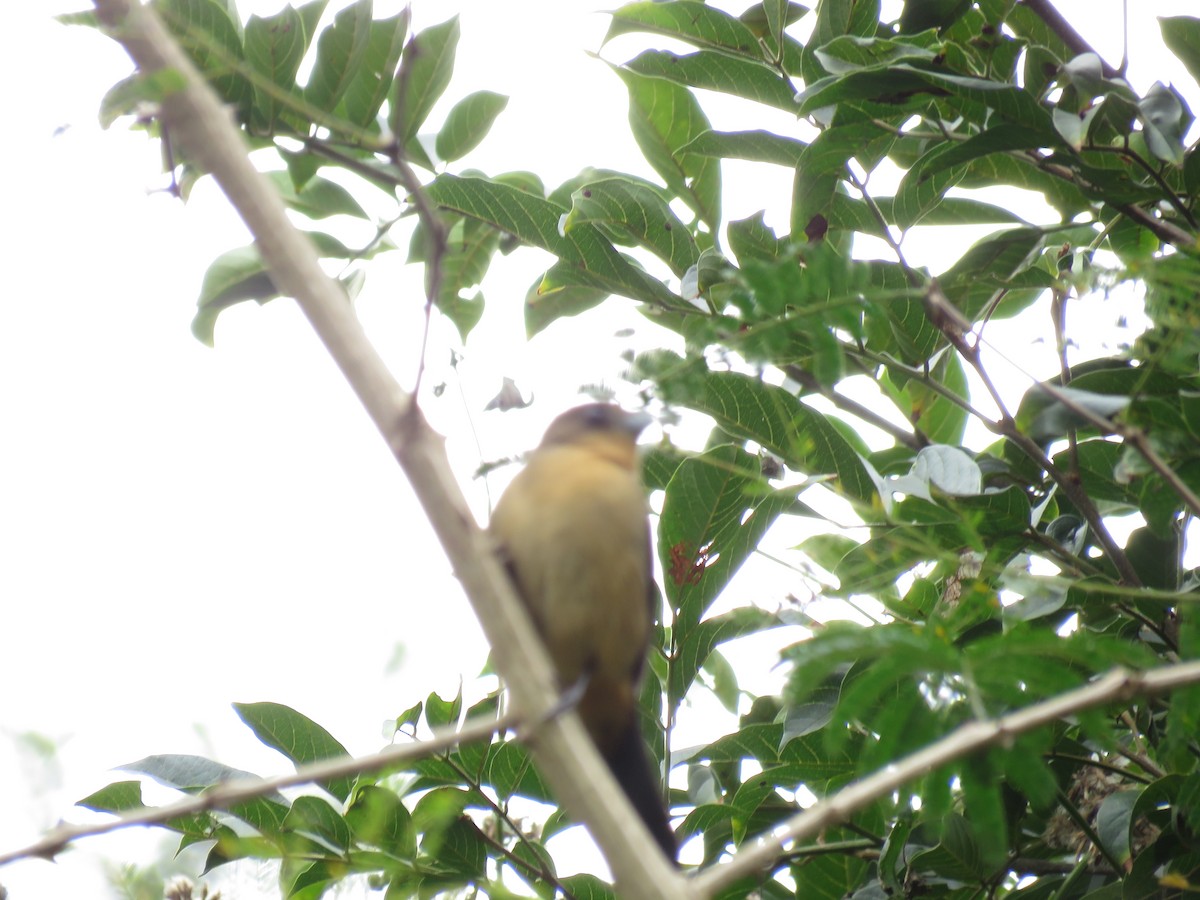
x=997, y=571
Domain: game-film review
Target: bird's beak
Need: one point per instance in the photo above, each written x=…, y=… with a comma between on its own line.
x=637, y=422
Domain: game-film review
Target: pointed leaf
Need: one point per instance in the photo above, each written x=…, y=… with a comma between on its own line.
x=468, y=124
x=425, y=71
x=591, y=259
x=296, y=736
x=637, y=214
x=340, y=51
x=372, y=77
x=665, y=118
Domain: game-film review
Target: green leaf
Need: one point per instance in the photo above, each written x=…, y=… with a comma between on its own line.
x=698, y=642
x=827, y=877
x=1181, y=34
x=274, y=47
x=371, y=81
x=377, y=818
x=984, y=808
x=129, y=95
x=470, y=246
x=240, y=274
x=712, y=71
x=87, y=18
x=1002, y=261
x=850, y=53
x=1001, y=138
x=957, y=856
x=462, y=850
x=665, y=118
x=1067, y=409
x=544, y=307
x=468, y=123
x=185, y=772
x=341, y=49
x=939, y=418
x=752, y=238
x=919, y=15
x=212, y=36
x=899, y=90
x=756, y=146
x=822, y=167
x=907, y=652
x=636, y=214
x=1113, y=823
x=587, y=887
x=296, y=736
x=717, y=506
x=319, y=198
x=699, y=25
x=425, y=71
x=923, y=187
x=584, y=252
x=888, y=553
x=1166, y=122
x=804, y=439
x=118, y=797
x=314, y=820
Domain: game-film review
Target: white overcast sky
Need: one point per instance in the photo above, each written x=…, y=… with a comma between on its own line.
x=185, y=527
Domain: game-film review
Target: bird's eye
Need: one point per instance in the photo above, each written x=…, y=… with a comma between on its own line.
x=597, y=416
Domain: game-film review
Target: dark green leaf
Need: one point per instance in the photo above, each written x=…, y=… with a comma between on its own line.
x=1113, y=820
x=296, y=736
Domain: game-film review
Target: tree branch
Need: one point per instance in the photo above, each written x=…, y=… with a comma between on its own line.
x=565, y=756
x=1066, y=33
x=229, y=793
x=1117, y=685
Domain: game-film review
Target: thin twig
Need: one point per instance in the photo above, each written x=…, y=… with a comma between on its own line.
x=951, y=323
x=808, y=381
x=230, y=793
x=436, y=228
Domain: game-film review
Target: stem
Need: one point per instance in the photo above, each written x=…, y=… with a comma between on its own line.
x=1066, y=33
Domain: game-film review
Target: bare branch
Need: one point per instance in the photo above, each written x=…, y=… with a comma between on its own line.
x=225, y=795
x=565, y=755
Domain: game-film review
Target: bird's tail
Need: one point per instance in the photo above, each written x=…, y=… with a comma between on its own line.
x=630, y=762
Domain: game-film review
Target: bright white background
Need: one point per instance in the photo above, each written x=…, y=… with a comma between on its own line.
x=184, y=527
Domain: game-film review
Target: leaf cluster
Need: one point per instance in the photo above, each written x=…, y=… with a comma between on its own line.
x=998, y=574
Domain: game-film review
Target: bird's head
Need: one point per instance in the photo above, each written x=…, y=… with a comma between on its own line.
x=601, y=427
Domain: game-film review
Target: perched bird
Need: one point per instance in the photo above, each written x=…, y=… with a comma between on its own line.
x=573, y=530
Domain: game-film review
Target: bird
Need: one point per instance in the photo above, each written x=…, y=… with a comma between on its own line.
x=572, y=530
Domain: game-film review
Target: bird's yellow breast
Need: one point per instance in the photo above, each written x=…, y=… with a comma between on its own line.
x=573, y=528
